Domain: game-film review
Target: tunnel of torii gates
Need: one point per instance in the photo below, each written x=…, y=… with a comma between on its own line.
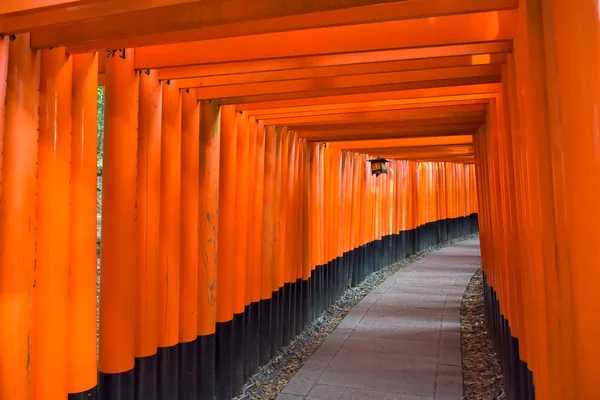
x=238, y=203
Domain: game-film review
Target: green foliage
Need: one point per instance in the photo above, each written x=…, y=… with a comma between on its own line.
x=100, y=119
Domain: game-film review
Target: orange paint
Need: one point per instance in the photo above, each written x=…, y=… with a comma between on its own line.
x=81, y=354
x=169, y=250
x=227, y=223
x=148, y=215
x=52, y=232
x=188, y=276
x=256, y=235
x=208, y=215
x=17, y=218
x=3, y=73
x=268, y=244
x=241, y=213
x=117, y=259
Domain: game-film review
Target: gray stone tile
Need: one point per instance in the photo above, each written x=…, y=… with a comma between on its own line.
x=359, y=360
x=410, y=300
x=287, y=396
x=449, y=383
x=350, y=321
x=450, y=324
x=333, y=343
x=450, y=353
x=400, y=332
x=369, y=299
x=308, y=375
x=405, y=314
x=326, y=392
x=380, y=345
x=384, y=381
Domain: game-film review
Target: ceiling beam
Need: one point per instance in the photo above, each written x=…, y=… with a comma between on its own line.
x=337, y=82
x=389, y=132
x=22, y=6
x=374, y=90
x=449, y=30
x=380, y=116
x=98, y=28
x=479, y=53
x=341, y=70
x=435, y=123
x=266, y=117
x=407, y=96
x=366, y=144
x=451, y=149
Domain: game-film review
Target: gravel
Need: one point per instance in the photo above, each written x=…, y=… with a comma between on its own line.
x=270, y=379
x=482, y=374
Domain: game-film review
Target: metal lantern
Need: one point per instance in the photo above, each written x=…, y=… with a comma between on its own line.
x=378, y=165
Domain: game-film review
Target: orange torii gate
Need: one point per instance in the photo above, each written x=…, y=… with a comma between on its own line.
x=237, y=200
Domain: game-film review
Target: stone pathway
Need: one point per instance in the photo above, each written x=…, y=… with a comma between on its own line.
x=401, y=342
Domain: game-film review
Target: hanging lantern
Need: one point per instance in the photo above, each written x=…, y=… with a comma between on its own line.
x=378, y=165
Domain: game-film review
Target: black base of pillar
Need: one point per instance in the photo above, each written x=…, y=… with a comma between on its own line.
x=207, y=352
x=116, y=386
x=145, y=371
x=224, y=360
x=252, y=349
x=167, y=372
x=238, y=333
x=188, y=370
x=518, y=378
x=264, y=346
x=91, y=394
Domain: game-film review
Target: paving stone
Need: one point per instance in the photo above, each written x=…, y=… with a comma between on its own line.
x=385, y=381
x=450, y=324
x=449, y=383
x=351, y=320
x=401, y=342
x=450, y=353
x=327, y=392
x=411, y=300
x=287, y=396
x=308, y=375
x=357, y=360
x=381, y=345
x=333, y=343
x=401, y=332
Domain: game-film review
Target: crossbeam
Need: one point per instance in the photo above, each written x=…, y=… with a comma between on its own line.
x=367, y=144
x=401, y=96
x=479, y=53
x=337, y=82
x=448, y=30
x=142, y=23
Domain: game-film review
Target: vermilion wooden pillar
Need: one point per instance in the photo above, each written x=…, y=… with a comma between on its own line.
x=573, y=79
x=266, y=143
x=550, y=295
x=148, y=217
x=169, y=244
x=3, y=71
x=254, y=240
x=239, y=238
x=82, y=340
x=277, y=282
x=188, y=289
x=208, y=221
x=226, y=262
x=117, y=275
x=52, y=241
x=17, y=219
